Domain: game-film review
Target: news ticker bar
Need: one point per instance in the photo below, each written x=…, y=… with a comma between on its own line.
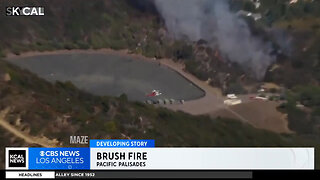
x=126, y=174
x=159, y=158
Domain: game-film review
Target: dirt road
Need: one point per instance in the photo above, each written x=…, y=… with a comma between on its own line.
x=44, y=142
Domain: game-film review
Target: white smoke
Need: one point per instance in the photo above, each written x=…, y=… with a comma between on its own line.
x=212, y=20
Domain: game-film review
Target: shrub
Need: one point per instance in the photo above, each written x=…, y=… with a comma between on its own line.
x=236, y=88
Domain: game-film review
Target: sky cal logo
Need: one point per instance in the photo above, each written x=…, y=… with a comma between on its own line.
x=24, y=11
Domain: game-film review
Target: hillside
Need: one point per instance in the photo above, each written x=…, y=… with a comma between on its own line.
x=42, y=111
x=106, y=24
x=56, y=111
x=294, y=30
x=135, y=25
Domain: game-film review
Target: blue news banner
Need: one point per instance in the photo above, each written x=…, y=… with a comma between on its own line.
x=59, y=158
x=76, y=158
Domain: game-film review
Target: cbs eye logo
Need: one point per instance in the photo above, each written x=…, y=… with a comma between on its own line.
x=17, y=158
x=42, y=153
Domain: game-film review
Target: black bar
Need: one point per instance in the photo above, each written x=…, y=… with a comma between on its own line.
x=286, y=174
x=156, y=174
x=205, y=174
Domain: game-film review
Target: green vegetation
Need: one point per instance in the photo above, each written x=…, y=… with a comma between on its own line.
x=279, y=10
x=303, y=108
x=295, y=30
x=2, y=54
x=105, y=27
x=60, y=110
x=235, y=88
x=193, y=68
x=38, y=102
x=120, y=25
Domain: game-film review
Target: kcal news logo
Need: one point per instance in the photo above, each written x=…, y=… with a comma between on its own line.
x=24, y=11
x=16, y=158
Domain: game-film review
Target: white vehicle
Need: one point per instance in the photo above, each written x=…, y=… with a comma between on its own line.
x=231, y=96
x=231, y=102
x=261, y=98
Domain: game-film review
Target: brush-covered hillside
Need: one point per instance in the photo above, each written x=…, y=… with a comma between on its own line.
x=291, y=30
x=35, y=112
x=47, y=114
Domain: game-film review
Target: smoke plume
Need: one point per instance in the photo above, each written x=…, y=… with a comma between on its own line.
x=212, y=20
